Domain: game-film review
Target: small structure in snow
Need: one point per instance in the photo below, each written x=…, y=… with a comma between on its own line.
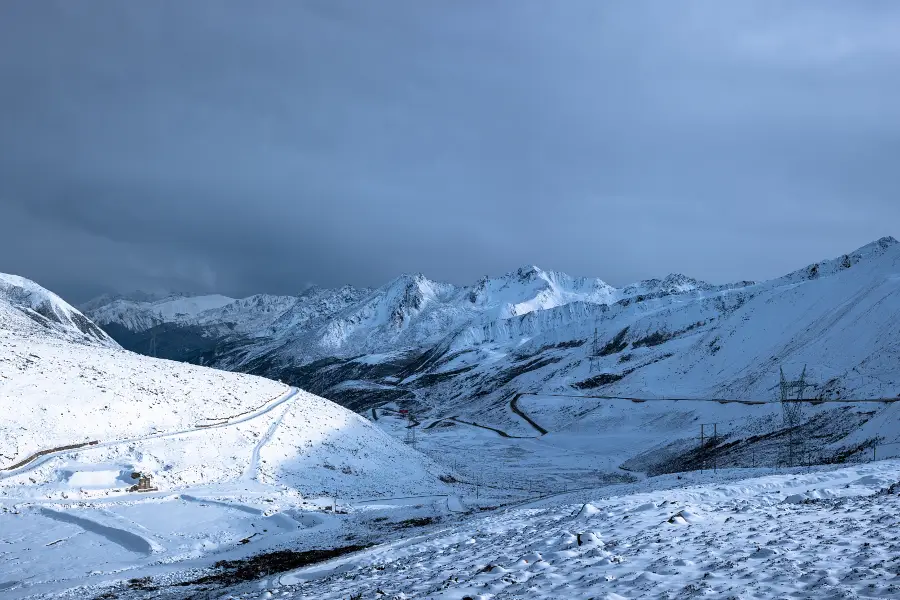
x=144, y=484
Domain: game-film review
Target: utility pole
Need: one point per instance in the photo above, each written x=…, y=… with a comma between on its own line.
x=715, y=454
x=703, y=436
x=702, y=443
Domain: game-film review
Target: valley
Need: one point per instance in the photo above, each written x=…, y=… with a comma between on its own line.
x=405, y=300
x=467, y=413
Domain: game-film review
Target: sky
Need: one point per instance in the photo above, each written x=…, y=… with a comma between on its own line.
x=246, y=147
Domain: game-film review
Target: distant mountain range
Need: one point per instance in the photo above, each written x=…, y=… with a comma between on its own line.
x=446, y=349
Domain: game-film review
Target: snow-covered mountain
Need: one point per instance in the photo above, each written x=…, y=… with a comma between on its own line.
x=139, y=315
x=407, y=313
x=127, y=462
x=445, y=348
x=508, y=381
x=31, y=309
x=63, y=382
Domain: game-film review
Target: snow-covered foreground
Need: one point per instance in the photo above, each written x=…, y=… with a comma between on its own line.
x=75, y=548
x=819, y=534
x=742, y=533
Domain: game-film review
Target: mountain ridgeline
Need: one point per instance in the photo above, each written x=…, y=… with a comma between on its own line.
x=443, y=349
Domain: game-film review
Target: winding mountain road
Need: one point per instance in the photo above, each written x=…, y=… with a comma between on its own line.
x=514, y=406
x=39, y=458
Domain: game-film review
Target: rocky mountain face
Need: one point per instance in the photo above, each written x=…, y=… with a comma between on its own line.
x=467, y=350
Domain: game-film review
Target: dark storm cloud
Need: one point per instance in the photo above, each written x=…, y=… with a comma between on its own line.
x=246, y=147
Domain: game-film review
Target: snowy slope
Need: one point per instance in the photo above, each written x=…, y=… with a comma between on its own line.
x=51, y=314
x=236, y=463
x=185, y=424
x=794, y=535
x=500, y=378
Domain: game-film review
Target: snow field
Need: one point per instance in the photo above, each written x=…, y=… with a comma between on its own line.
x=51, y=546
x=800, y=535
x=349, y=456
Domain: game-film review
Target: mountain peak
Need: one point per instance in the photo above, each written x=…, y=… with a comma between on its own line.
x=528, y=270
x=876, y=247
x=310, y=291
x=870, y=250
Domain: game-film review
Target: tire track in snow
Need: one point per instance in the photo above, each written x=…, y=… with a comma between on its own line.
x=130, y=541
x=252, y=471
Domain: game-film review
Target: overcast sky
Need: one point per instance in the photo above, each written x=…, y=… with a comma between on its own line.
x=248, y=147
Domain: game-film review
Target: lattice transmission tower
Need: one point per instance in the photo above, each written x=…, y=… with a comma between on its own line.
x=411, y=429
x=792, y=398
x=595, y=352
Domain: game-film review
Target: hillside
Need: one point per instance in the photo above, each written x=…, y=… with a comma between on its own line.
x=30, y=310
x=229, y=458
x=512, y=398
x=63, y=382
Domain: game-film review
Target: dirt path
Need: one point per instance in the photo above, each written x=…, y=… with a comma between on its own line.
x=500, y=432
x=514, y=405
x=37, y=455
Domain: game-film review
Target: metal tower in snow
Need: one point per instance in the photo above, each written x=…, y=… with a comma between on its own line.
x=792, y=396
x=595, y=352
x=411, y=430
